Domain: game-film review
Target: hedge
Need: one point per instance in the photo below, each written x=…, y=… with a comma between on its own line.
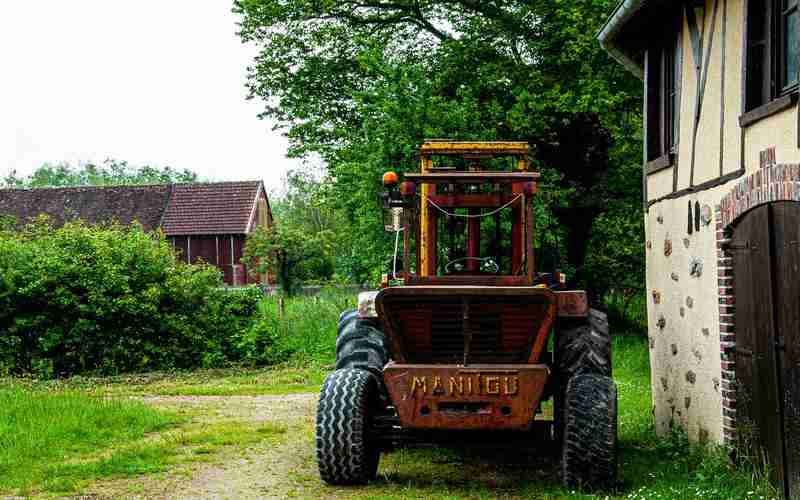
x=112, y=299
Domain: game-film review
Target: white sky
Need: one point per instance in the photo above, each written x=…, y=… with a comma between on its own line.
x=157, y=82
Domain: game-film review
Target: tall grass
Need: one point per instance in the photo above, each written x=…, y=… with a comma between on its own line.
x=40, y=430
x=303, y=329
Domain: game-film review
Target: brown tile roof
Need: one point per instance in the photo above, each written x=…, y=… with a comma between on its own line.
x=179, y=209
x=213, y=208
x=92, y=204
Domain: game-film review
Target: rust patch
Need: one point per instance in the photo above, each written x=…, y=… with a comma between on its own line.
x=572, y=304
x=471, y=397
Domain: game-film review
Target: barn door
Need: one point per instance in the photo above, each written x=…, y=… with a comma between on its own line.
x=766, y=261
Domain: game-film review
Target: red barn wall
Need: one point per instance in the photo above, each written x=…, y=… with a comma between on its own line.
x=223, y=251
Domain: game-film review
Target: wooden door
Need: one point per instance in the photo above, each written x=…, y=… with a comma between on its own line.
x=786, y=241
x=766, y=261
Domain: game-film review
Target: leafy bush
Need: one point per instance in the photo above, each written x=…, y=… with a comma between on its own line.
x=235, y=316
x=110, y=299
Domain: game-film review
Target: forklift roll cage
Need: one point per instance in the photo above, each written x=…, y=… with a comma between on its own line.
x=441, y=190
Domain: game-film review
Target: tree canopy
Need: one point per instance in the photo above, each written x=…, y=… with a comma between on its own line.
x=110, y=172
x=362, y=83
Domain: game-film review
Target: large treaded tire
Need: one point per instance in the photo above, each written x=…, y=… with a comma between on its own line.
x=589, y=454
x=583, y=345
x=346, y=453
x=360, y=344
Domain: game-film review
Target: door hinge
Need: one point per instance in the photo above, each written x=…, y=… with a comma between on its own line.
x=746, y=246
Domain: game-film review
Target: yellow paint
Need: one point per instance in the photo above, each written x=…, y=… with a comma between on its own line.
x=510, y=386
x=424, y=221
x=492, y=385
x=418, y=383
x=456, y=385
x=437, y=385
x=457, y=147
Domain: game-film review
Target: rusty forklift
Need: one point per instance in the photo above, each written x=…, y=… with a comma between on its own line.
x=457, y=348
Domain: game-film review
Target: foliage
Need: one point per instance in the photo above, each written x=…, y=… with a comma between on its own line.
x=362, y=83
x=299, y=246
x=110, y=172
x=235, y=316
x=114, y=299
x=302, y=329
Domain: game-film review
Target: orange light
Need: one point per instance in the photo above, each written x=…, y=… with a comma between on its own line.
x=390, y=178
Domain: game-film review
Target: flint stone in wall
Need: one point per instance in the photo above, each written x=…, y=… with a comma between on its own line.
x=696, y=268
x=705, y=215
x=656, y=297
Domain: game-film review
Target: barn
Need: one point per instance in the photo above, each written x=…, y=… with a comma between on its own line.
x=722, y=183
x=206, y=222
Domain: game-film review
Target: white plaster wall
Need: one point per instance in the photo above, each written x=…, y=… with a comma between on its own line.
x=659, y=184
x=684, y=354
x=780, y=131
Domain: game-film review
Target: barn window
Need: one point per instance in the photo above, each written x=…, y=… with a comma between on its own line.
x=771, y=67
x=663, y=97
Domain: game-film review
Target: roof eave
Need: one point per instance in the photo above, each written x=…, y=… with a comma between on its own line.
x=607, y=36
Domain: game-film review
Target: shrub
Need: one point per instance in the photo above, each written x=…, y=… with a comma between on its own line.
x=110, y=299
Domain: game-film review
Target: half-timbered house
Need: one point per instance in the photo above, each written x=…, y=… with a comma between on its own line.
x=722, y=184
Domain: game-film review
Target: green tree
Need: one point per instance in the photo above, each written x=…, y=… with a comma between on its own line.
x=362, y=83
x=302, y=244
x=289, y=253
x=110, y=172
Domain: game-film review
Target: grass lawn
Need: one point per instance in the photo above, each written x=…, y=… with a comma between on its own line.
x=58, y=441
x=649, y=467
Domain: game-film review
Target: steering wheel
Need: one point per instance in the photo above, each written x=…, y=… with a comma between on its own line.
x=486, y=261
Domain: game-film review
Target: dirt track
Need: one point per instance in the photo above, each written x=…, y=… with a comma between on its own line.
x=264, y=470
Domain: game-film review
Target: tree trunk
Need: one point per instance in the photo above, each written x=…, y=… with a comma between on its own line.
x=579, y=221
